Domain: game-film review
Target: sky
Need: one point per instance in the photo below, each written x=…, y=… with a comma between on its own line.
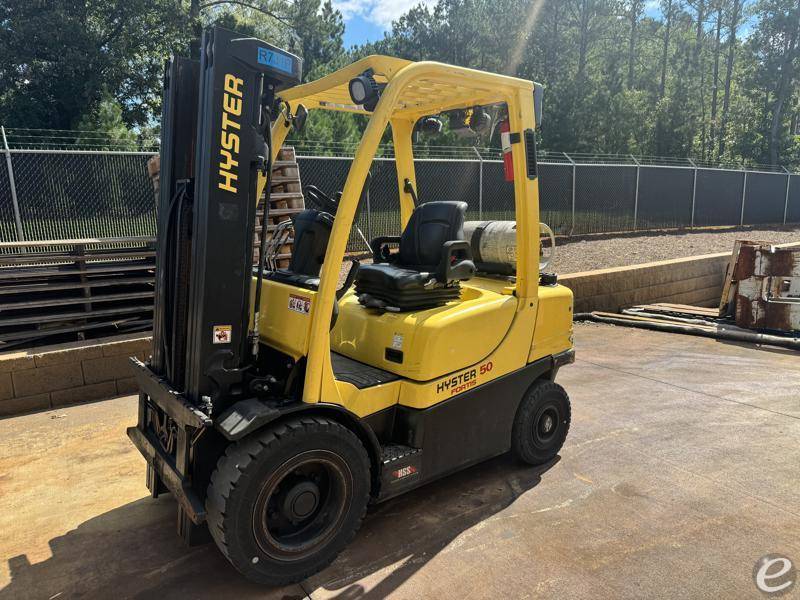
x=367, y=20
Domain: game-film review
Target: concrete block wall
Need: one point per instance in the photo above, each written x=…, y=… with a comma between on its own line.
x=696, y=280
x=72, y=373
x=54, y=376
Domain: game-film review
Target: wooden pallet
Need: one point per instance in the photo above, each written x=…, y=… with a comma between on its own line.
x=677, y=309
x=66, y=290
x=729, y=286
x=286, y=200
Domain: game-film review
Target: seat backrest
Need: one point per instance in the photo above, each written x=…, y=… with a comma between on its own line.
x=430, y=226
x=312, y=230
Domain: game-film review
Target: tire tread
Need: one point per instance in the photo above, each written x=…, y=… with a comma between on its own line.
x=232, y=470
x=519, y=443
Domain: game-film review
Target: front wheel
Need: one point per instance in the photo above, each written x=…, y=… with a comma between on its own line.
x=541, y=423
x=284, y=502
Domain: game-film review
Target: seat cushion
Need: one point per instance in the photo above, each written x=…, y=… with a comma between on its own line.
x=391, y=278
x=291, y=278
x=403, y=289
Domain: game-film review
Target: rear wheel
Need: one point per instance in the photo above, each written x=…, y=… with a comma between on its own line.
x=283, y=503
x=541, y=424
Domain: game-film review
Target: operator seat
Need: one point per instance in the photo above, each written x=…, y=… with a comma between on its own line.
x=312, y=230
x=432, y=259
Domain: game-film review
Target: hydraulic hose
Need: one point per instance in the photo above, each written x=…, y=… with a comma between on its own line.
x=735, y=334
x=262, y=243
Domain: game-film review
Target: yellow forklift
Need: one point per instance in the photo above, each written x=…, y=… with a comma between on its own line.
x=277, y=403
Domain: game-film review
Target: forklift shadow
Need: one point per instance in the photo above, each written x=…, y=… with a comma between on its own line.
x=402, y=535
x=133, y=551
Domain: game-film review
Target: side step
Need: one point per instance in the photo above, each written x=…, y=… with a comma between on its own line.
x=401, y=469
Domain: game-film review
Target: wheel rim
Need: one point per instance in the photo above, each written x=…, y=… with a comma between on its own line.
x=546, y=425
x=302, y=504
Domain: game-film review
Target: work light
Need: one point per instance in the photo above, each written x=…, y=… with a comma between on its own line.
x=364, y=91
x=430, y=125
x=480, y=121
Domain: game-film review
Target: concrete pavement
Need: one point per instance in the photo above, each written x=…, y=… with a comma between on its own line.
x=679, y=472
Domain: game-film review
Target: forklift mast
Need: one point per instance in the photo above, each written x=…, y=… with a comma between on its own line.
x=215, y=143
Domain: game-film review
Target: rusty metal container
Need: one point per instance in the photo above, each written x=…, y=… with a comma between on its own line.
x=768, y=287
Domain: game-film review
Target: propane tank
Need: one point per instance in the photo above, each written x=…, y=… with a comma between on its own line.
x=494, y=244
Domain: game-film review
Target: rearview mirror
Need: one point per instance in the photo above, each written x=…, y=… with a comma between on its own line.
x=299, y=120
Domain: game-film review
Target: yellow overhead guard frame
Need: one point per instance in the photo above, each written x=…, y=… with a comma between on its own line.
x=413, y=90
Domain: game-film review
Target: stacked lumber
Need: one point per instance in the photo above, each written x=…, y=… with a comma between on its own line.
x=286, y=200
x=680, y=310
x=154, y=172
x=67, y=290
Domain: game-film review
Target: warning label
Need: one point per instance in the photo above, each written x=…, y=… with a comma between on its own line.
x=222, y=334
x=299, y=304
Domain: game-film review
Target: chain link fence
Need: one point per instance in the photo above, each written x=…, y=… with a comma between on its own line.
x=575, y=198
x=66, y=194
x=70, y=195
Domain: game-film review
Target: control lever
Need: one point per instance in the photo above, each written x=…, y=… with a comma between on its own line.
x=351, y=277
x=408, y=188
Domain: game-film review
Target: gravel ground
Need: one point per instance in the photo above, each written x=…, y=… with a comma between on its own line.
x=600, y=252
x=620, y=250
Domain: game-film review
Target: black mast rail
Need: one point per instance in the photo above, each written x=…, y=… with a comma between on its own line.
x=215, y=144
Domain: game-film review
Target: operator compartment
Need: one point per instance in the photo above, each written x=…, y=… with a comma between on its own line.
x=418, y=313
x=426, y=344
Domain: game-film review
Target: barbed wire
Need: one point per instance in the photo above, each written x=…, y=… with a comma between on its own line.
x=22, y=138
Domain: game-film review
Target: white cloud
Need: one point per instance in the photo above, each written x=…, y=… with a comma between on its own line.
x=380, y=12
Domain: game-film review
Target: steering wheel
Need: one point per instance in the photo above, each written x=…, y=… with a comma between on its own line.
x=321, y=199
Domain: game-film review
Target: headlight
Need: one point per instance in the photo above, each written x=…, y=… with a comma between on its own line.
x=358, y=91
x=364, y=91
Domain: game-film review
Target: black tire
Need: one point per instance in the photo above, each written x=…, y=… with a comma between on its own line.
x=541, y=424
x=285, y=501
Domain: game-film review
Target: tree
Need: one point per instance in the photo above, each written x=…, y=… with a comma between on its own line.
x=733, y=26
x=320, y=29
x=635, y=8
x=781, y=31
x=64, y=62
x=103, y=127
x=619, y=76
x=57, y=57
x=715, y=76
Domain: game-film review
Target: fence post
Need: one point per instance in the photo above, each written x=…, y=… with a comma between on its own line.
x=744, y=193
x=636, y=198
x=786, y=200
x=12, y=185
x=480, y=184
x=694, y=191
x=574, y=173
